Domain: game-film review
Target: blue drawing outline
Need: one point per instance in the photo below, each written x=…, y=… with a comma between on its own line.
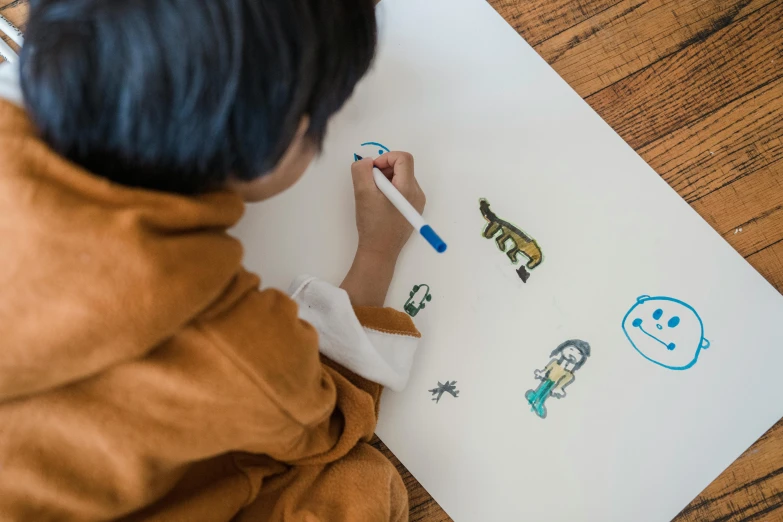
x=381, y=145
x=704, y=343
x=651, y=336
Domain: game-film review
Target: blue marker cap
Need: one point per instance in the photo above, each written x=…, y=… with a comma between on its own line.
x=433, y=238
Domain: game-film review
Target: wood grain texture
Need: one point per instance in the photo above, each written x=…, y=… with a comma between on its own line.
x=701, y=78
x=621, y=41
x=16, y=13
x=696, y=87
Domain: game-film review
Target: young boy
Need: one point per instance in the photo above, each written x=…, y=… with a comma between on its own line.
x=143, y=373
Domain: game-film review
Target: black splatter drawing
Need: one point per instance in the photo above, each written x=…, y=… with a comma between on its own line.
x=450, y=388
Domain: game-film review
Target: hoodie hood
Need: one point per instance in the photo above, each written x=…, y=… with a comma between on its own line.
x=93, y=273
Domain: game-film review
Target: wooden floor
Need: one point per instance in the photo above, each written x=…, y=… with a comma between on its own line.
x=696, y=87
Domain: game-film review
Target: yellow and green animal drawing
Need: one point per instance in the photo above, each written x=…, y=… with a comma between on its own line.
x=520, y=242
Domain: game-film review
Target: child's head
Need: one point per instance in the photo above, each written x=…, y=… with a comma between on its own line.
x=192, y=95
x=574, y=351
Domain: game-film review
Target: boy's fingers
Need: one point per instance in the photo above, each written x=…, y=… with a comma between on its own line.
x=361, y=172
x=396, y=163
x=388, y=172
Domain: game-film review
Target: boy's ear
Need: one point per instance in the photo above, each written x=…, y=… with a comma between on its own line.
x=288, y=170
x=304, y=126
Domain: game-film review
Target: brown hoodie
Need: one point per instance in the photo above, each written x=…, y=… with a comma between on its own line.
x=144, y=375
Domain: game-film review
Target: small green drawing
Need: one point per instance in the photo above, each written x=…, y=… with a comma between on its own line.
x=411, y=306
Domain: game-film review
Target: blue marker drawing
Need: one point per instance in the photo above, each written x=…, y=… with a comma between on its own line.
x=566, y=359
x=373, y=148
x=382, y=149
x=666, y=331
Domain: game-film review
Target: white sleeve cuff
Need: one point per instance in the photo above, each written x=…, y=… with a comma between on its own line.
x=385, y=358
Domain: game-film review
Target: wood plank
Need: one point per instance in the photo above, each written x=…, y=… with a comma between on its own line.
x=16, y=13
x=769, y=263
x=423, y=507
x=696, y=81
x=749, y=212
x=733, y=142
x=729, y=165
x=537, y=21
x=764, y=229
x=748, y=490
x=634, y=34
x=754, y=236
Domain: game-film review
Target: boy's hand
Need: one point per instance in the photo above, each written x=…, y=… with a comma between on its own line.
x=382, y=229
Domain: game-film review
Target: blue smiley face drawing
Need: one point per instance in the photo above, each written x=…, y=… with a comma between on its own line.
x=372, y=149
x=665, y=331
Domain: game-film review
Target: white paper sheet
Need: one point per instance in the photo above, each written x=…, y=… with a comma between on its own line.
x=486, y=117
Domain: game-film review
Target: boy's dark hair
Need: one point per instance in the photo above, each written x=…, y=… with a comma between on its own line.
x=182, y=95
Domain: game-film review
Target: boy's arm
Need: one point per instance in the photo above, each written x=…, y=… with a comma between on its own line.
x=374, y=343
